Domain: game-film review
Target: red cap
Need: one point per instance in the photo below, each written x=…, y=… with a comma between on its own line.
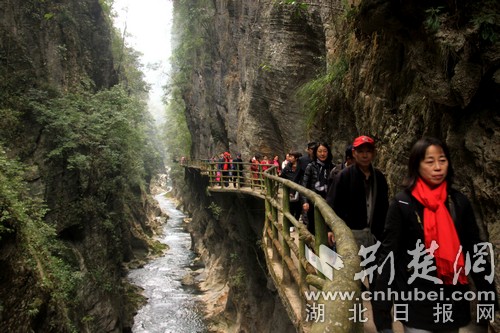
x=362, y=140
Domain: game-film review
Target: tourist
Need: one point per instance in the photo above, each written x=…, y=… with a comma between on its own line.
x=226, y=168
x=360, y=195
x=285, y=161
x=290, y=172
x=255, y=170
x=429, y=210
x=347, y=162
x=238, y=177
x=276, y=162
x=266, y=164
x=220, y=169
x=304, y=161
x=316, y=179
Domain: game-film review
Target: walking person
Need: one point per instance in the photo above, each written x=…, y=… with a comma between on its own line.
x=304, y=161
x=429, y=215
x=238, y=177
x=285, y=161
x=226, y=169
x=276, y=162
x=316, y=179
x=220, y=169
x=347, y=162
x=360, y=194
x=266, y=164
x=255, y=170
x=290, y=172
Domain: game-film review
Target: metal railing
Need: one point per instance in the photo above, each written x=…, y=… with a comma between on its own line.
x=235, y=175
x=286, y=257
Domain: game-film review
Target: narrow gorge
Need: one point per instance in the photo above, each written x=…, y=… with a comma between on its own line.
x=79, y=151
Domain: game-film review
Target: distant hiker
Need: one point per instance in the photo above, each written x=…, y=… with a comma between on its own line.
x=276, y=162
x=255, y=169
x=348, y=161
x=285, y=161
x=226, y=168
x=304, y=161
x=290, y=172
x=266, y=164
x=220, y=168
x=238, y=177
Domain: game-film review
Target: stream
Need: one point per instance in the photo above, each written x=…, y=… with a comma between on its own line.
x=171, y=307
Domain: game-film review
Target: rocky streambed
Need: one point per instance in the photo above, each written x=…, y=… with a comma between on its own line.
x=167, y=281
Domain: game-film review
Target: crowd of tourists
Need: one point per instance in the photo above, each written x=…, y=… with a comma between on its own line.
x=428, y=217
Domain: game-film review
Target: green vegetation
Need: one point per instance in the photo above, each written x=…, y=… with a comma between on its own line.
x=215, y=209
x=238, y=279
x=175, y=130
x=76, y=158
x=486, y=19
x=194, y=34
x=317, y=94
x=13, y=208
x=38, y=249
x=350, y=11
x=432, y=21
x=265, y=67
x=482, y=15
x=234, y=257
x=299, y=8
x=99, y=136
x=98, y=143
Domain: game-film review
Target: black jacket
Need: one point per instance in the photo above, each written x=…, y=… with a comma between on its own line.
x=348, y=200
x=237, y=166
x=302, y=164
x=288, y=172
x=316, y=178
x=403, y=228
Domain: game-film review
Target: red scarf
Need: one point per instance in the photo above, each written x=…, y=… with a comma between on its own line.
x=439, y=226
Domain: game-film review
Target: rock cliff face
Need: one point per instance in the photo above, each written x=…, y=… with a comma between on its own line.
x=400, y=71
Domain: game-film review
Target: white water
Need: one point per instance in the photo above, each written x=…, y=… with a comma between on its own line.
x=171, y=308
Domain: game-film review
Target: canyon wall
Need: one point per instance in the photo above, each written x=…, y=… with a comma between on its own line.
x=62, y=262
x=238, y=294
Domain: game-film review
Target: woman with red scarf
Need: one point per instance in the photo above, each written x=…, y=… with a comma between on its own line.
x=432, y=238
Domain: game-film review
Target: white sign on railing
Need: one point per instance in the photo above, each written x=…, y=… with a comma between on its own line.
x=327, y=261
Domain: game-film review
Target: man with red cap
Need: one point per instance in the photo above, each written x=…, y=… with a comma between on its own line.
x=360, y=194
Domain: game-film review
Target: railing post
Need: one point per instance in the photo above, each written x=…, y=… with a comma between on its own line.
x=274, y=213
x=319, y=229
x=211, y=175
x=261, y=179
x=321, y=236
x=236, y=168
x=302, y=274
x=254, y=176
x=285, y=201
